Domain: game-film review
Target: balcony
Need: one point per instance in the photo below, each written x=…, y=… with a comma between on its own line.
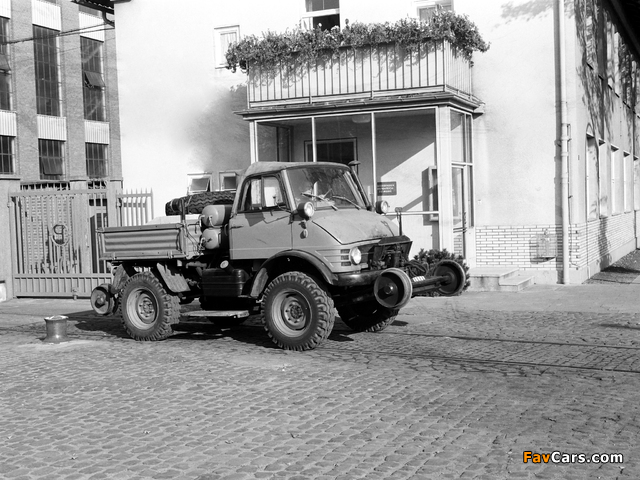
x=383, y=72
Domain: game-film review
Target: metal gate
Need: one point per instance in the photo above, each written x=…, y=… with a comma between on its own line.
x=54, y=241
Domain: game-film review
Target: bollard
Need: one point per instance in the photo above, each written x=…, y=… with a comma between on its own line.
x=56, y=329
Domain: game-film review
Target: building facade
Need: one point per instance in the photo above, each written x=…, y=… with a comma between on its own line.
x=60, y=162
x=526, y=157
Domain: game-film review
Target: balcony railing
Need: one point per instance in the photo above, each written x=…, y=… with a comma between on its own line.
x=386, y=70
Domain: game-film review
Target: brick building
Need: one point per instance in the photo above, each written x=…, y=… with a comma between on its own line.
x=60, y=165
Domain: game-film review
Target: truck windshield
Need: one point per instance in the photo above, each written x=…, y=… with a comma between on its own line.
x=326, y=187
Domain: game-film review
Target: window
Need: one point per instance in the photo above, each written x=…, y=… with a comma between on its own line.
x=262, y=193
x=628, y=182
x=224, y=36
x=604, y=179
x=636, y=183
x=228, y=181
x=96, y=154
x=5, y=69
x=323, y=14
x=45, y=45
x=51, y=154
x=426, y=10
x=341, y=150
x=590, y=32
x=6, y=155
x=199, y=182
x=93, y=91
x=617, y=180
x=593, y=175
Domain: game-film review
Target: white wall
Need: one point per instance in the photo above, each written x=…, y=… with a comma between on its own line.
x=514, y=139
x=177, y=109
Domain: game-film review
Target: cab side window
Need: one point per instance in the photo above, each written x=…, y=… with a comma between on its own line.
x=272, y=193
x=263, y=193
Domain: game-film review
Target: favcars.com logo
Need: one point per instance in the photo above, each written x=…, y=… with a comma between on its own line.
x=563, y=458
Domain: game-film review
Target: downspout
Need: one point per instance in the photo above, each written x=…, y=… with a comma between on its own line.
x=564, y=141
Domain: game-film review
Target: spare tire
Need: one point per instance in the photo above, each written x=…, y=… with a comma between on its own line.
x=196, y=202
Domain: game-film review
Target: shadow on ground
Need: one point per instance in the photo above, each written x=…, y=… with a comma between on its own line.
x=625, y=270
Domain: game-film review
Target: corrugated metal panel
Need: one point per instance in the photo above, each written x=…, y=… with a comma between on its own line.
x=8, y=123
x=148, y=241
x=52, y=128
x=88, y=21
x=96, y=132
x=58, y=285
x=45, y=14
x=5, y=8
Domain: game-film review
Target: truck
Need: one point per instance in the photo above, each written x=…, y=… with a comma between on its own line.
x=297, y=243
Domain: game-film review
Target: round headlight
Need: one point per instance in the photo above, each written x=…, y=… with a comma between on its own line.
x=382, y=206
x=309, y=210
x=306, y=210
x=355, y=255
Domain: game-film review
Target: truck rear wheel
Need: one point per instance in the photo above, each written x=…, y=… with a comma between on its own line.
x=148, y=310
x=298, y=313
x=367, y=317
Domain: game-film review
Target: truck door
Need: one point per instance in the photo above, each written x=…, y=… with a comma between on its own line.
x=262, y=226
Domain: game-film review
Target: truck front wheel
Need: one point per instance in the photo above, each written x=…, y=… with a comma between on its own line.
x=298, y=313
x=148, y=311
x=367, y=317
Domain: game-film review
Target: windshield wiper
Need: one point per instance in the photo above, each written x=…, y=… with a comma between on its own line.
x=340, y=197
x=322, y=198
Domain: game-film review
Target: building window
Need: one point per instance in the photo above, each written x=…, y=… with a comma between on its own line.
x=628, y=182
x=604, y=183
x=224, y=36
x=93, y=91
x=617, y=181
x=6, y=155
x=46, y=52
x=426, y=10
x=96, y=154
x=51, y=159
x=199, y=182
x=228, y=180
x=593, y=179
x=323, y=14
x=5, y=69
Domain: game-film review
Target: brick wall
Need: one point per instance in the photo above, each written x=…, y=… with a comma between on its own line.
x=517, y=246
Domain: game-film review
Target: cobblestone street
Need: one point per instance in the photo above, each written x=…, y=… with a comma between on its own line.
x=447, y=391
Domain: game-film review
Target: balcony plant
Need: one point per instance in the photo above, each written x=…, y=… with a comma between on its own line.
x=273, y=49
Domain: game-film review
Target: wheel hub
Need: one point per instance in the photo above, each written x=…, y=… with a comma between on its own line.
x=145, y=308
x=293, y=313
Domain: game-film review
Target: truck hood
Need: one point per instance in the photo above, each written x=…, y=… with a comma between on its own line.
x=350, y=226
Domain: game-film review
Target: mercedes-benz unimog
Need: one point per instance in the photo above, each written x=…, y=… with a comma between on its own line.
x=298, y=242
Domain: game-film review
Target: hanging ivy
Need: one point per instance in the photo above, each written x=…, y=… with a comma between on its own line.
x=272, y=49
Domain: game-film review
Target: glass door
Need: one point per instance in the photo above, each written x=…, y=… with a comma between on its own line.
x=460, y=209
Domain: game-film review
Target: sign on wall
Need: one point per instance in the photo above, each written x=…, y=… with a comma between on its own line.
x=387, y=188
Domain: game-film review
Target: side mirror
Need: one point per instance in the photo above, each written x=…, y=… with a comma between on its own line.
x=306, y=210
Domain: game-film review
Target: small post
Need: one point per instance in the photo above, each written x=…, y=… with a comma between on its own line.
x=56, y=329
x=399, y=217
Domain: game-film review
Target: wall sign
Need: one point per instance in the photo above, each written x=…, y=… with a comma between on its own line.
x=387, y=188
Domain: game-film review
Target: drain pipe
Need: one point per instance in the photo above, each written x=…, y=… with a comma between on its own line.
x=564, y=140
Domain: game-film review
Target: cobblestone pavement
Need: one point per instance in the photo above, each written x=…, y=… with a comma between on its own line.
x=442, y=393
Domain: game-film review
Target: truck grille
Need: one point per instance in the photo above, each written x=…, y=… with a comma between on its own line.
x=389, y=252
